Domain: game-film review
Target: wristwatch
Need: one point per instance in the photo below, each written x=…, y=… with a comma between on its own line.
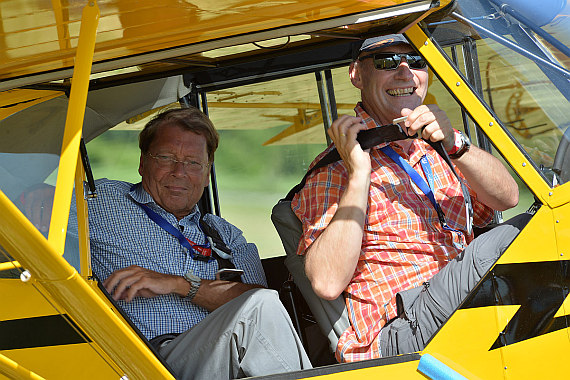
x=462, y=145
x=195, y=283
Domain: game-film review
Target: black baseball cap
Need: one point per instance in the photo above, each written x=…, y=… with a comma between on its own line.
x=375, y=43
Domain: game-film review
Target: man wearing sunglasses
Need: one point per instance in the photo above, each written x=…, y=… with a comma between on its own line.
x=402, y=258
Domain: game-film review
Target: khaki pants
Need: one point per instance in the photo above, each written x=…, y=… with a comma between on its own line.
x=251, y=335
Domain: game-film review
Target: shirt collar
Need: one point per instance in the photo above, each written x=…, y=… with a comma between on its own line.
x=418, y=149
x=139, y=194
x=366, y=118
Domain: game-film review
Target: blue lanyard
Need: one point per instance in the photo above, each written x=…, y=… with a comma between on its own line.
x=197, y=251
x=426, y=188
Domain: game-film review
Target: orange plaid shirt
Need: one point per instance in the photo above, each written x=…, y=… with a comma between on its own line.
x=403, y=245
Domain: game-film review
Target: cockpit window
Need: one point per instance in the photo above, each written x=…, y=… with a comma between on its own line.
x=524, y=73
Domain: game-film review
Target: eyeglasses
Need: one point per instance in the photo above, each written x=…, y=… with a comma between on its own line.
x=391, y=61
x=169, y=162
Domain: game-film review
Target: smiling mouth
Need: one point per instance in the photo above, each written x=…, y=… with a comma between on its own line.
x=175, y=188
x=401, y=91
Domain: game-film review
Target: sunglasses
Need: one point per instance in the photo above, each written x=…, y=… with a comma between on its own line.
x=391, y=61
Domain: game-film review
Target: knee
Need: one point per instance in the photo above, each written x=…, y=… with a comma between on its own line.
x=262, y=305
x=490, y=246
x=266, y=298
x=262, y=295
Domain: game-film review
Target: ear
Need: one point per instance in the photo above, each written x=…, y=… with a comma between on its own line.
x=207, y=180
x=354, y=70
x=141, y=164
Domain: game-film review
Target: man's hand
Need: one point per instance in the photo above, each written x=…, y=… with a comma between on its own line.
x=486, y=175
x=430, y=123
x=134, y=281
x=343, y=133
x=38, y=203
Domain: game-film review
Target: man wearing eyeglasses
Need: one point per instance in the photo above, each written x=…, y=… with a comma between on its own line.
x=402, y=262
x=150, y=248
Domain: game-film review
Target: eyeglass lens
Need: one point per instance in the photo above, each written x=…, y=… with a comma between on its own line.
x=392, y=60
x=169, y=163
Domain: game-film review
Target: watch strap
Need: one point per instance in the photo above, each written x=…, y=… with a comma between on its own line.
x=195, y=283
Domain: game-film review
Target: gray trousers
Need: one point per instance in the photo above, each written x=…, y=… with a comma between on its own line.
x=251, y=335
x=424, y=309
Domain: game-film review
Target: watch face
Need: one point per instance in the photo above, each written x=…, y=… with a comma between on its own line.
x=192, y=277
x=464, y=146
x=465, y=140
x=459, y=141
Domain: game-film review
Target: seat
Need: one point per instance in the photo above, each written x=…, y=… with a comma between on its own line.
x=331, y=316
x=561, y=165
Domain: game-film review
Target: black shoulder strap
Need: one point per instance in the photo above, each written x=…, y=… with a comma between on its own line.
x=367, y=138
x=219, y=249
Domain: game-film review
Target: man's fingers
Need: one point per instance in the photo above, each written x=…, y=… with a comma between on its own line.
x=143, y=287
x=131, y=291
x=430, y=122
x=344, y=127
x=117, y=277
x=134, y=281
x=418, y=119
x=123, y=288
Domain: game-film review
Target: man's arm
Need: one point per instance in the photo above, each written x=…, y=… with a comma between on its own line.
x=331, y=259
x=490, y=180
x=486, y=175
x=134, y=281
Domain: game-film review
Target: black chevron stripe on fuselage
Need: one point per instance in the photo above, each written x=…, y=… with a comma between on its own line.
x=48, y=330
x=539, y=288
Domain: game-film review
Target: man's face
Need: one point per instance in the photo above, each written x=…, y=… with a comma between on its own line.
x=176, y=189
x=386, y=92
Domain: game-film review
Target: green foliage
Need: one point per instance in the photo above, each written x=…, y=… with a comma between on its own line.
x=242, y=162
x=115, y=155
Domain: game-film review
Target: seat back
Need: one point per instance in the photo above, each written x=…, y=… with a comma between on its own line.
x=561, y=165
x=331, y=316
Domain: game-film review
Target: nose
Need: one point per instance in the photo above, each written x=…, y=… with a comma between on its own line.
x=403, y=70
x=178, y=169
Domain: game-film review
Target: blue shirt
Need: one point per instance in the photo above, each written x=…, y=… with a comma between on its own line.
x=122, y=235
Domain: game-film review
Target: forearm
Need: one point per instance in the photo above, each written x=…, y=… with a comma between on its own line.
x=331, y=260
x=214, y=293
x=489, y=178
x=135, y=281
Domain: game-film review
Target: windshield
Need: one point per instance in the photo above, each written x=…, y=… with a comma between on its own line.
x=523, y=72
x=30, y=146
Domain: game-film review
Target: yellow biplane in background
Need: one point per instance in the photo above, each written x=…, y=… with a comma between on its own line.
x=83, y=76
